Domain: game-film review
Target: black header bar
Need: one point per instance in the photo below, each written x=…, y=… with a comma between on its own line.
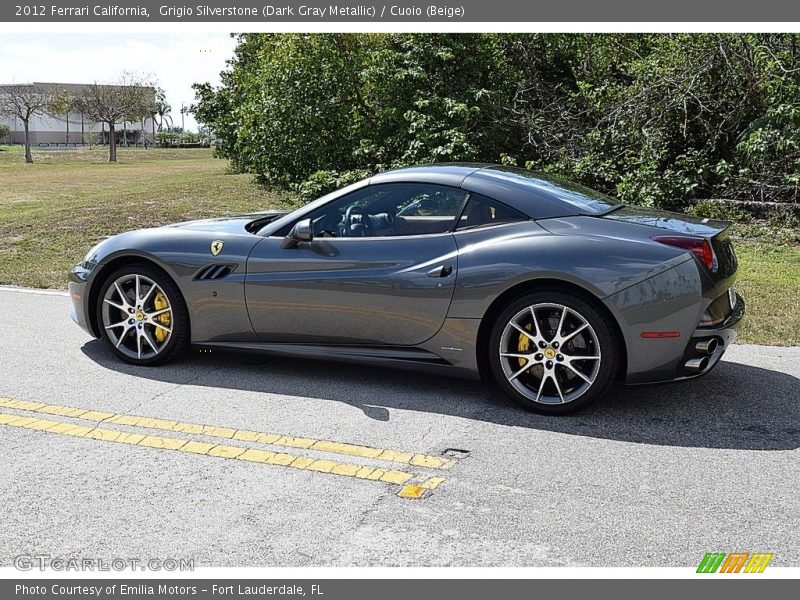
x=453, y=11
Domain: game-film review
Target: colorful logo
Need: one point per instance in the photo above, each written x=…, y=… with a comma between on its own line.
x=734, y=562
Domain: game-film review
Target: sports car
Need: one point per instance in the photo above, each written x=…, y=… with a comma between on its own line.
x=553, y=290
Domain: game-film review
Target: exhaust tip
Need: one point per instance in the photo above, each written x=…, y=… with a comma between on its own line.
x=697, y=365
x=708, y=346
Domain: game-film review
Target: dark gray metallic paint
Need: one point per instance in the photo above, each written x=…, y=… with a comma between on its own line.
x=371, y=299
x=365, y=290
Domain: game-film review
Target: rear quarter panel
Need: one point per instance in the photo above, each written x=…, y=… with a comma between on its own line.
x=670, y=301
x=645, y=286
x=493, y=260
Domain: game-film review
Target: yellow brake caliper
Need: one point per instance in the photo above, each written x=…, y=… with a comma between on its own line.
x=523, y=345
x=160, y=303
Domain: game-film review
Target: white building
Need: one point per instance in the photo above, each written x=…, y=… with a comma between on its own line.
x=73, y=129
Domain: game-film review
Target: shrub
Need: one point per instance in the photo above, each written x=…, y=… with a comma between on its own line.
x=656, y=119
x=720, y=210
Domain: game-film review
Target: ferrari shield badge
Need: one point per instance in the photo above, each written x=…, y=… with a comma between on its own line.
x=216, y=247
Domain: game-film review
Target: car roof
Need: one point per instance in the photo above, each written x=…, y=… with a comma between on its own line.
x=537, y=195
x=442, y=173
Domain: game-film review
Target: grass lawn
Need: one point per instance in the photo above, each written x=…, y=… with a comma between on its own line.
x=769, y=281
x=53, y=211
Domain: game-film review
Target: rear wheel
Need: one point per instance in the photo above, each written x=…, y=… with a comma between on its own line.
x=553, y=352
x=142, y=315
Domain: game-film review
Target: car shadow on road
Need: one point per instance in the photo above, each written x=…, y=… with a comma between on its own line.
x=736, y=406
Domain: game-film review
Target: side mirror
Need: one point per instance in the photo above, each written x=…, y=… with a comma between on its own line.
x=301, y=232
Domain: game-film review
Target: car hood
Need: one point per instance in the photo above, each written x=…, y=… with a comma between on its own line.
x=248, y=223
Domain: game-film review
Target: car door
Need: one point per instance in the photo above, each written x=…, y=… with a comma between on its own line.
x=352, y=284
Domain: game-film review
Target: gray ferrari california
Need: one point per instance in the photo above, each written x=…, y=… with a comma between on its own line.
x=554, y=290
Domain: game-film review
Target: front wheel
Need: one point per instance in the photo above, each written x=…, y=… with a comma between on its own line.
x=553, y=352
x=142, y=315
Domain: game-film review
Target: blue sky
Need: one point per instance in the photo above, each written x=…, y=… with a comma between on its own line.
x=176, y=61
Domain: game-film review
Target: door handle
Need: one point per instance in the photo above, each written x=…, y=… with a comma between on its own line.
x=441, y=271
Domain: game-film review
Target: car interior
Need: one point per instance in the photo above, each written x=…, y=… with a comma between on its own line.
x=408, y=209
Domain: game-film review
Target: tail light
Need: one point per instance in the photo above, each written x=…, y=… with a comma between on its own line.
x=700, y=247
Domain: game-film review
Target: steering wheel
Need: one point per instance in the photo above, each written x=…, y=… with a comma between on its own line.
x=365, y=220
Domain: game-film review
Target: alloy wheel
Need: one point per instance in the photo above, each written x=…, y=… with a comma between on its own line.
x=137, y=316
x=550, y=353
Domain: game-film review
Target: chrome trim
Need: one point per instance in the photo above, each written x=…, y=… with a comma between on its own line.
x=696, y=365
x=708, y=346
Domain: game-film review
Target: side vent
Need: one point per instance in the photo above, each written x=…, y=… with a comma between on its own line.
x=214, y=272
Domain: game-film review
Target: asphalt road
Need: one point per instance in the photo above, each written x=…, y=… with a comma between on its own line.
x=653, y=476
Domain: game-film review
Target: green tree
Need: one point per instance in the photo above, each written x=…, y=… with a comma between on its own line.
x=657, y=119
x=162, y=109
x=62, y=102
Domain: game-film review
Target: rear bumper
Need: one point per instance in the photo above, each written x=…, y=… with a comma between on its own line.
x=724, y=334
x=660, y=319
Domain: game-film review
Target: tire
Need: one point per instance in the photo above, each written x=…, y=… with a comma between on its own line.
x=148, y=332
x=563, y=371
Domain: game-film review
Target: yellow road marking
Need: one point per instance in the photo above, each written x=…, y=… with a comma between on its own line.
x=226, y=451
x=419, y=460
x=432, y=483
x=412, y=492
x=392, y=476
x=197, y=447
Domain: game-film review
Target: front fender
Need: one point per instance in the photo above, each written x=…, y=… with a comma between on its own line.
x=217, y=309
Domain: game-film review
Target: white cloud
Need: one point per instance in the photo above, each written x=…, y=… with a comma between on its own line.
x=176, y=61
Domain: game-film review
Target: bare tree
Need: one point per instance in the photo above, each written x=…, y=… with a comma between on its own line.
x=24, y=102
x=112, y=103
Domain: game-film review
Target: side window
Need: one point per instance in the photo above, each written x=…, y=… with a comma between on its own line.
x=482, y=211
x=392, y=209
x=432, y=203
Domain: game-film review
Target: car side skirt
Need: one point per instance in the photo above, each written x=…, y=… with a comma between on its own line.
x=450, y=352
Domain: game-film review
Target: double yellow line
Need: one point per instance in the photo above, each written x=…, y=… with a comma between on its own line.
x=413, y=485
